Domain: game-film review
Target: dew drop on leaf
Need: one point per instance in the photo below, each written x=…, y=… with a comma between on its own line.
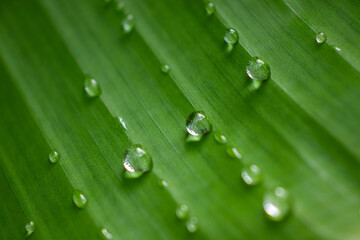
x=120, y=6
x=182, y=212
x=233, y=152
x=30, y=228
x=197, y=124
x=192, y=225
x=220, y=138
x=210, y=8
x=258, y=69
x=92, y=87
x=276, y=204
x=54, y=157
x=128, y=23
x=165, y=68
x=231, y=36
x=320, y=38
x=251, y=175
x=106, y=234
x=163, y=183
x=137, y=161
x=122, y=122
x=79, y=199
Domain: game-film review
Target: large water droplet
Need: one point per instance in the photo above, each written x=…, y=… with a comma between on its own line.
x=92, y=88
x=165, y=68
x=231, y=36
x=198, y=123
x=220, y=138
x=258, y=69
x=106, y=234
x=137, y=161
x=251, y=175
x=182, y=212
x=30, y=228
x=192, y=225
x=54, y=157
x=276, y=204
x=128, y=23
x=210, y=8
x=79, y=199
x=233, y=152
x=320, y=38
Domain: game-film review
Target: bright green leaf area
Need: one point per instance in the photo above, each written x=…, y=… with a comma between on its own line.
x=301, y=127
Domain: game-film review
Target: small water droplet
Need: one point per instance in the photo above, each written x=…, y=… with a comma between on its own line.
x=128, y=23
x=92, y=88
x=220, y=138
x=79, y=199
x=30, y=228
x=258, y=69
x=231, y=36
x=233, y=152
x=276, y=204
x=165, y=68
x=163, y=183
x=198, y=123
x=123, y=124
x=106, y=234
x=210, y=8
x=137, y=161
x=120, y=6
x=182, y=212
x=54, y=157
x=192, y=225
x=337, y=49
x=320, y=38
x=251, y=175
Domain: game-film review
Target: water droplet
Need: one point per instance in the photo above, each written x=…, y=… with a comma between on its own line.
x=276, y=204
x=30, y=228
x=123, y=124
x=210, y=8
x=233, y=152
x=79, y=199
x=106, y=234
x=220, y=138
x=192, y=225
x=337, y=49
x=92, y=88
x=120, y=6
x=198, y=123
x=165, y=68
x=54, y=157
x=258, y=69
x=182, y=212
x=137, y=161
x=163, y=183
x=320, y=38
x=251, y=175
x=128, y=23
x=231, y=36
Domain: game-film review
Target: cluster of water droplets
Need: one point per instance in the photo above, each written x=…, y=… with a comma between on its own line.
x=182, y=213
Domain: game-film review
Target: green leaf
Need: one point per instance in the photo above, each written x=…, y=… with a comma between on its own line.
x=300, y=127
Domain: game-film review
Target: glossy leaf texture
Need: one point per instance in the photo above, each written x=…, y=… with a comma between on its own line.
x=300, y=127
